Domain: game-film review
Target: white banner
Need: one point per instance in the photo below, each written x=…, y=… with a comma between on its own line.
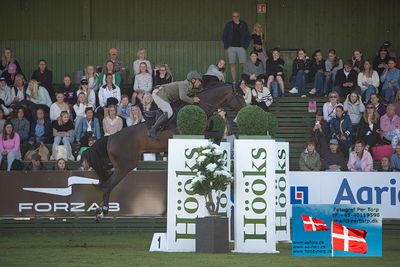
x=282, y=198
x=255, y=196
x=183, y=205
x=348, y=188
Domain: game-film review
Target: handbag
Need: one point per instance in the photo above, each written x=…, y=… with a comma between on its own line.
x=378, y=152
x=312, y=106
x=61, y=153
x=41, y=150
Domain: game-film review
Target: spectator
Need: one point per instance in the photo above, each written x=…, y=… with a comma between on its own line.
x=124, y=109
x=69, y=91
x=380, y=108
x=253, y=69
x=261, y=95
x=39, y=95
x=5, y=95
x=397, y=103
x=390, y=124
x=368, y=130
x=162, y=75
x=320, y=132
x=10, y=73
x=274, y=70
x=395, y=159
x=317, y=70
x=112, y=123
x=354, y=107
x=89, y=125
x=346, y=79
x=9, y=145
x=109, y=68
x=360, y=160
x=109, y=93
x=7, y=59
x=35, y=164
x=92, y=78
x=44, y=76
x=40, y=131
x=141, y=58
x=341, y=129
x=332, y=65
x=80, y=107
x=2, y=120
x=20, y=91
x=246, y=92
x=85, y=167
x=385, y=165
x=390, y=79
x=135, y=116
x=63, y=131
x=380, y=61
x=329, y=108
x=61, y=165
x=388, y=46
x=214, y=74
x=113, y=56
x=300, y=70
x=150, y=109
x=85, y=146
x=236, y=38
x=143, y=83
x=368, y=81
x=358, y=61
x=21, y=124
x=333, y=159
x=258, y=42
x=310, y=159
x=89, y=93
x=57, y=107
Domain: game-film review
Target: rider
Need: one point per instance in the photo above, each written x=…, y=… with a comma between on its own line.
x=172, y=92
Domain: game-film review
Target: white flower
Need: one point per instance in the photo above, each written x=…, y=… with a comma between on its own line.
x=206, y=151
x=211, y=167
x=216, y=146
x=218, y=152
x=194, y=181
x=201, y=159
x=201, y=177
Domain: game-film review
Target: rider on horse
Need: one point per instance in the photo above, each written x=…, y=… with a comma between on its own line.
x=172, y=92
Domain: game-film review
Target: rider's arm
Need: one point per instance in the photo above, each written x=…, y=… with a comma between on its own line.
x=183, y=94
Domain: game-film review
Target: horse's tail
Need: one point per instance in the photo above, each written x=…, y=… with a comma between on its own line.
x=97, y=158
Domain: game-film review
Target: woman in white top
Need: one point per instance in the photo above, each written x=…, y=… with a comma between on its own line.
x=92, y=78
x=80, y=107
x=112, y=123
x=57, y=107
x=141, y=57
x=329, y=108
x=143, y=83
x=109, y=90
x=90, y=94
x=368, y=81
x=39, y=94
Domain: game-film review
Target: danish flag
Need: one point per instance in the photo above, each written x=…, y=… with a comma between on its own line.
x=312, y=224
x=348, y=239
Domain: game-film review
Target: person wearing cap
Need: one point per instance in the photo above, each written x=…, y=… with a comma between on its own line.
x=45, y=77
x=113, y=56
x=90, y=94
x=333, y=159
x=388, y=46
x=35, y=164
x=172, y=92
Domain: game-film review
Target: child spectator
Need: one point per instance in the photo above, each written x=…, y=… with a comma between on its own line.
x=380, y=107
x=44, y=76
x=69, y=90
x=41, y=130
x=390, y=125
x=135, y=116
x=261, y=95
x=21, y=124
x=90, y=94
x=341, y=129
x=395, y=159
x=92, y=78
x=346, y=79
x=9, y=145
x=59, y=106
x=310, y=159
x=300, y=70
x=112, y=123
x=274, y=70
x=63, y=131
x=360, y=160
x=109, y=68
x=354, y=107
x=253, y=69
x=368, y=130
x=385, y=165
x=214, y=74
x=390, y=79
x=332, y=65
x=35, y=164
x=358, y=61
x=162, y=75
x=329, y=108
x=368, y=81
x=317, y=70
x=124, y=109
x=143, y=83
x=89, y=125
x=333, y=159
x=61, y=165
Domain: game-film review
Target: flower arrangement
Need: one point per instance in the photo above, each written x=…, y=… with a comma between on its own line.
x=212, y=175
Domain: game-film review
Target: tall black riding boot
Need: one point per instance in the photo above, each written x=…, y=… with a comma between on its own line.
x=153, y=132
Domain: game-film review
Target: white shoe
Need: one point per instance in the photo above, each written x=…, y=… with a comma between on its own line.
x=313, y=91
x=293, y=90
x=303, y=96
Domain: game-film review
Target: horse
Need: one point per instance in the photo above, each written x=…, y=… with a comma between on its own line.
x=124, y=148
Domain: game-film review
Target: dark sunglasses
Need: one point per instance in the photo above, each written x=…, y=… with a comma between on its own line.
x=332, y=96
x=370, y=107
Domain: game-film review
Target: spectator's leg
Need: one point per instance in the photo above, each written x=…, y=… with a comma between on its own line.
x=387, y=92
x=56, y=142
x=67, y=143
x=232, y=61
x=11, y=156
x=269, y=81
x=133, y=98
x=326, y=85
x=300, y=82
x=275, y=89
x=281, y=84
x=370, y=90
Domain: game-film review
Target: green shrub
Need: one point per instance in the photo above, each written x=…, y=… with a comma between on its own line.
x=216, y=123
x=192, y=120
x=253, y=120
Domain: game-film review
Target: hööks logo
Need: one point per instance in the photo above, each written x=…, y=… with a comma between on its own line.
x=299, y=195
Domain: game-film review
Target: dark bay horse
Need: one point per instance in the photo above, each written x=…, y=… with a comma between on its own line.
x=123, y=149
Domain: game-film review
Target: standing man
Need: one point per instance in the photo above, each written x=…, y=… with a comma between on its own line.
x=236, y=38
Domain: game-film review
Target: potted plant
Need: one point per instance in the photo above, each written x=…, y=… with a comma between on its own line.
x=212, y=178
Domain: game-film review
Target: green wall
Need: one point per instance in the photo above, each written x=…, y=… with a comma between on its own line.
x=186, y=34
